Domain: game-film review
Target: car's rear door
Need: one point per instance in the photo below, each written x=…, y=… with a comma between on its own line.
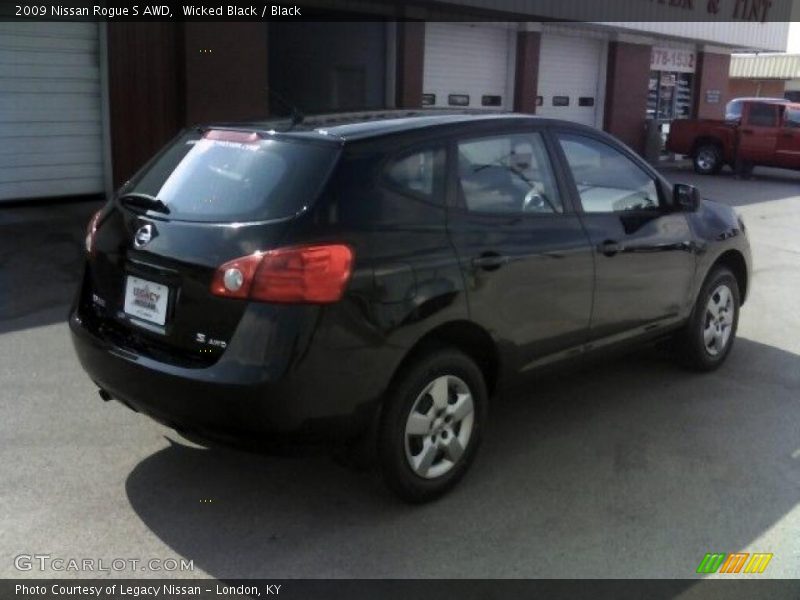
x=758, y=134
x=645, y=260
x=524, y=255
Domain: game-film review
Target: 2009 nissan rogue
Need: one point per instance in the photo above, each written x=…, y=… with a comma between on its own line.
x=379, y=279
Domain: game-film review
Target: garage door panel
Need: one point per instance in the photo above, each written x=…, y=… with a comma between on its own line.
x=78, y=144
x=468, y=60
x=42, y=43
x=53, y=73
x=70, y=86
x=46, y=159
x=50, y=110
x=40, y=189
x=570, y=67
x=48, y=129
x=49, y=173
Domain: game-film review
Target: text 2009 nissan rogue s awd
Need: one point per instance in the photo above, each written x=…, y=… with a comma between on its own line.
x=377, y=280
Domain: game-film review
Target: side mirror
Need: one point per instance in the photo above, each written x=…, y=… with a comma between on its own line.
x=685, y=197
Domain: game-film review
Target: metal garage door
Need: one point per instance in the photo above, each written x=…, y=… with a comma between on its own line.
x=50, y=110
x=468, y=65
x=570, y=79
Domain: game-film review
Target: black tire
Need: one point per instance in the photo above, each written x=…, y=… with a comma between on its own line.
x=690, y=344
x=406, y=390
x=707, y=159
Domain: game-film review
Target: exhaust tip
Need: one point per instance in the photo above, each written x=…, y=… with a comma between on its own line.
x=104, y=395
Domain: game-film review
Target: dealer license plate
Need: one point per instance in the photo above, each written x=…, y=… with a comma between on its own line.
x=146, y=300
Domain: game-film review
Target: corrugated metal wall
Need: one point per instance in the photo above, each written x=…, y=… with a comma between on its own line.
x=770, y=66
x=50, y=110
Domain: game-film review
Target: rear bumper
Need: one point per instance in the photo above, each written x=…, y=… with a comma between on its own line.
x=231, y=402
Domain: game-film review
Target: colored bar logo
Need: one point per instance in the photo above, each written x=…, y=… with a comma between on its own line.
x=737, y=562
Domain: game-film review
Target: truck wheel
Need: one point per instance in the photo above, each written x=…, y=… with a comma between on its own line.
x=707, y=159
x=706, y=341
x=431, y=425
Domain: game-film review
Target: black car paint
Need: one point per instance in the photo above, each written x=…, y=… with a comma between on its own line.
x=521, y=291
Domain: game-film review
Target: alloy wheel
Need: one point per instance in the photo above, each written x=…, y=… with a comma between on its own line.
x=439, y=426
x=718, y=321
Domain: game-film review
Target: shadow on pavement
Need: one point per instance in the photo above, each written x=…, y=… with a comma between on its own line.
x=635, y=468
x=41, y=255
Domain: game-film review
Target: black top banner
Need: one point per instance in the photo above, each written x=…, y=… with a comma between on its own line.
x=712, y=11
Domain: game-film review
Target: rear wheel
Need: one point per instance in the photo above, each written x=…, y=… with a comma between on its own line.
x=431, y=425
x=707, y=159
x=708, y=337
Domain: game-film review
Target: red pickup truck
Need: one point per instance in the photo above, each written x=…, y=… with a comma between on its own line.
x=756, y=131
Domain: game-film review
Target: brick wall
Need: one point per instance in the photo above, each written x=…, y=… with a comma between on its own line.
x=526, y=80
x=712, y=75
x=626, y=92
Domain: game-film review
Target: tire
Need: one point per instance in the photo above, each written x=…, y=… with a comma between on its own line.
x=704, y=344
x=707, y=159
x=441, y=387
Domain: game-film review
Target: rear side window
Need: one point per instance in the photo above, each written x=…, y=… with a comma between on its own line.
x=226, y=176
x=416, y=172
x=762, y=115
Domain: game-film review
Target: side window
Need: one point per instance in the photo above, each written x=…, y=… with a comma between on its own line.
x=733, y=110
x=416, y=172
x=762, y=115
x=793, y=117
x=607, y=180
x=508, y=174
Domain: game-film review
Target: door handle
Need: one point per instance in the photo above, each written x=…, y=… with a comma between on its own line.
x=610, y=247
x=489, y=261
x=747, y=131
x=787, y=134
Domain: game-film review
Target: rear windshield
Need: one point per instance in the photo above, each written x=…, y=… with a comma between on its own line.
x=235, y=176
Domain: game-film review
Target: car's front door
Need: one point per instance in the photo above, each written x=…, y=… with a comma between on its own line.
x=758, y=134
x=788, y=151
x=526, y=259
x=645, y=261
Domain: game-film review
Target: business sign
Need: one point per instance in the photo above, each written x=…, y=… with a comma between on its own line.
x=673, y=59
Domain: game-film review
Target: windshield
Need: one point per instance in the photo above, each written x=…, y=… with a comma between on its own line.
x=235, y=176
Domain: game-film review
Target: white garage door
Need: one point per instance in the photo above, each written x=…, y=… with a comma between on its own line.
x=50, y=110
x=570, y=81
x=468, y=65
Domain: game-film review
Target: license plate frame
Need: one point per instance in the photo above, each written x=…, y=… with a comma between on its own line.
x=146, y=300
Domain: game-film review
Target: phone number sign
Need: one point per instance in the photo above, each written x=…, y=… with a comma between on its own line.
x=672, y=59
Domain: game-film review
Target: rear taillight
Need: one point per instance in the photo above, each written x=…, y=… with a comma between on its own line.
x=91, y=232
x=303, y=274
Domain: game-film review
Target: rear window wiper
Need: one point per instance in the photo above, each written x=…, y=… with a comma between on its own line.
x=141, y=200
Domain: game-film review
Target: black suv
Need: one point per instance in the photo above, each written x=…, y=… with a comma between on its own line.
x=377, y=280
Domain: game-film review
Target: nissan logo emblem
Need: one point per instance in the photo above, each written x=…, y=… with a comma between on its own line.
x=143, y=236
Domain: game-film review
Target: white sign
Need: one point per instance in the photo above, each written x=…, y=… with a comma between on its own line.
x=672, y=59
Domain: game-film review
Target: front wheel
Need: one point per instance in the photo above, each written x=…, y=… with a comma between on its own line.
x=707, y=160
x=708, y=337
x=431, y=425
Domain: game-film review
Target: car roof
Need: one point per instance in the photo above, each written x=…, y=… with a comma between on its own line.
x=344, y=127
